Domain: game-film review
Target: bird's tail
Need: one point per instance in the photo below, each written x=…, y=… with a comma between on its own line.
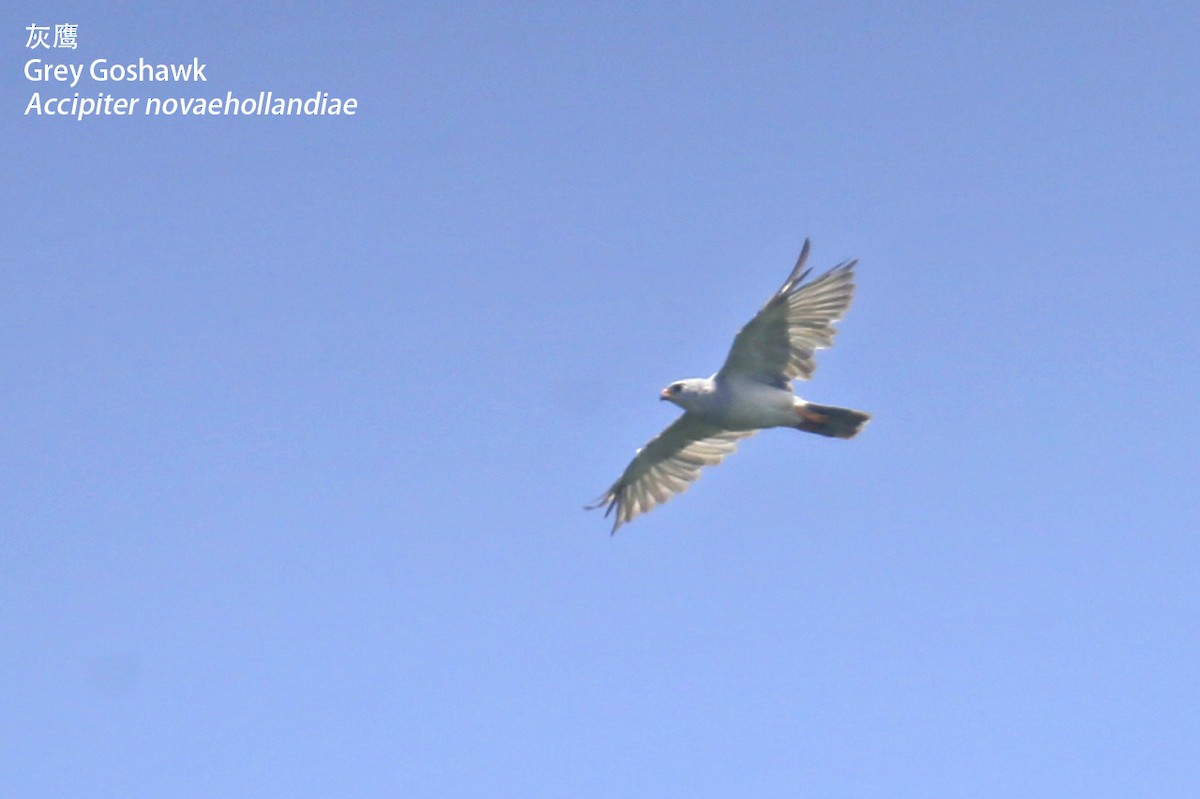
x=828, y=420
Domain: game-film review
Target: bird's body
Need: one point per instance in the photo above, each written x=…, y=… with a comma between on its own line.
x=749, y=404
x=752, y=391
x=736, y=403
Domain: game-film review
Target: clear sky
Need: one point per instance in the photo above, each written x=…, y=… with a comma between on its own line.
x=297, y=415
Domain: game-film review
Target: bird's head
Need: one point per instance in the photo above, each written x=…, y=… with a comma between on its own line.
x=684, y=393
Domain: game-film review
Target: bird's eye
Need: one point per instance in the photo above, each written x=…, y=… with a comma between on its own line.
x=675, y=388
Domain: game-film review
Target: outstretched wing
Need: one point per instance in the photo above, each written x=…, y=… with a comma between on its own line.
x=777, y=345
x=667, y=466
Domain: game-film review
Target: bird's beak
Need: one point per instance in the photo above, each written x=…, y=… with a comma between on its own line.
x=662, y=395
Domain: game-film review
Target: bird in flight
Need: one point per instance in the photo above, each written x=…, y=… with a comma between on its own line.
x=752, y=391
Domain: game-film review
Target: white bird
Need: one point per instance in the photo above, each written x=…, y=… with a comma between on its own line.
x=752, y=391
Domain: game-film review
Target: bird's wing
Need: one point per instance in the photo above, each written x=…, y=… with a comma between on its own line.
x=667, y=466
x=777, y=345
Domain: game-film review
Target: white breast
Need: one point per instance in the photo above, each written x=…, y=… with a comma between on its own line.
x=749, y=404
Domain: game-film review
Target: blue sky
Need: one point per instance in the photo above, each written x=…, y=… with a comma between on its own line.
x=299, y=414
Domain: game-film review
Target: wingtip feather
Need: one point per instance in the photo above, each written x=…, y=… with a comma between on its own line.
x=798, y=271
